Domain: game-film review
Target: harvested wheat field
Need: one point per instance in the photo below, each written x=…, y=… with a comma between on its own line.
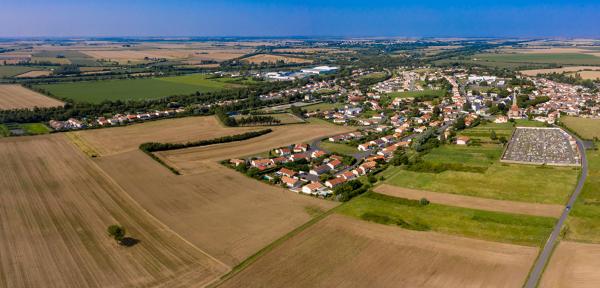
x=120, y=139
x=225, y=213
x=19, y=97
x=548, y=210
x=535, y=72
x=194, y=160
x=34, y=73
x=137, y=55
x=268, y=58
x=55, y=206
x=573, y=265
x=344, y=252
x=592, y=75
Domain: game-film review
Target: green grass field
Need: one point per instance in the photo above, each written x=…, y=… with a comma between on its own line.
x=338, y=148
x=586, y=127
x=134, y=89
x=527, y=183
x=4, y=131
x=502, y=181
x=322, y=106
x=486, y=225
x=35, y=128
x=483, y=156
x=558, y=58
x=9, y=71
x=583, y=223
x=416, y=94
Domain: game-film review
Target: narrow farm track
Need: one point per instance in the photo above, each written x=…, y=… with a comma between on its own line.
x=538, y=268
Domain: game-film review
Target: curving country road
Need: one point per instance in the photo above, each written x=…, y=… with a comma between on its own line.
x=538, y=268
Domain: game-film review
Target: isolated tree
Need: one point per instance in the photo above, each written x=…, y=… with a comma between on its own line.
x=424, y=202
x=493, y=135
x=503, y=140
x=117, y=232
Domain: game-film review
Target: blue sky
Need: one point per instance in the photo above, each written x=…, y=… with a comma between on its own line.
x=551, y=18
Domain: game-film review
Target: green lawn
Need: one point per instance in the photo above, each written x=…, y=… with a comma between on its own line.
x=586, y=127
x=322, y=106
x=35, y=128
x=338, y=148
x=4, y=131
x=416, y=94
x=486, y=225
x=583, y=223
x=134, y=89
x=484, y=155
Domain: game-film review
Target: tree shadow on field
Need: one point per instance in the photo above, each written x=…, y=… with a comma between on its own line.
x=128, y=241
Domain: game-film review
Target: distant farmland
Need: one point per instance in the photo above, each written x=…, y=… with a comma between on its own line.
x=538, y=58
x=134, y=89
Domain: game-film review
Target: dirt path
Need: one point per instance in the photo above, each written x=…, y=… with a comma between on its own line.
x=537, y=209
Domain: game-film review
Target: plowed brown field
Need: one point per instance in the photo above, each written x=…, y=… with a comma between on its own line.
x=573, y=265
x=18, y=97
x=344, y=252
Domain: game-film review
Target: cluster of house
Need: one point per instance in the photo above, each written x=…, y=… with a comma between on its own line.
x=574, y=100
x=406, y=81
x=308, y=182
x=312, y=87
x=118, y=119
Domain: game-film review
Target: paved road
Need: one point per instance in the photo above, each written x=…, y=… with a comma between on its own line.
x=540, y=263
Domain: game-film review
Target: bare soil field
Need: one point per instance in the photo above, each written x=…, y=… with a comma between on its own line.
x=198, y=159
x=137, y=55
x=343, y=252
x=34, y=73
x=573, y=265
x=120, y=139
x=560, y=70
x=549, y=50
x=536, y=209
x=55, y=206
x=267, y=58
x=223, y=212
x=592, y=75
x=19, y=97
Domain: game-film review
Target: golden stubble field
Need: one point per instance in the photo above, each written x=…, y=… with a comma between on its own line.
x=269, y=58
x=55, y=206
x=343, y=252
x=128, y=138
x=223, y=212
x=573, y=265
x=18, y=97
x=198, y=159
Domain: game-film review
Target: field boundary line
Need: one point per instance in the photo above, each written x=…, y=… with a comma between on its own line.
x=256, y=256
x=160, y=223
